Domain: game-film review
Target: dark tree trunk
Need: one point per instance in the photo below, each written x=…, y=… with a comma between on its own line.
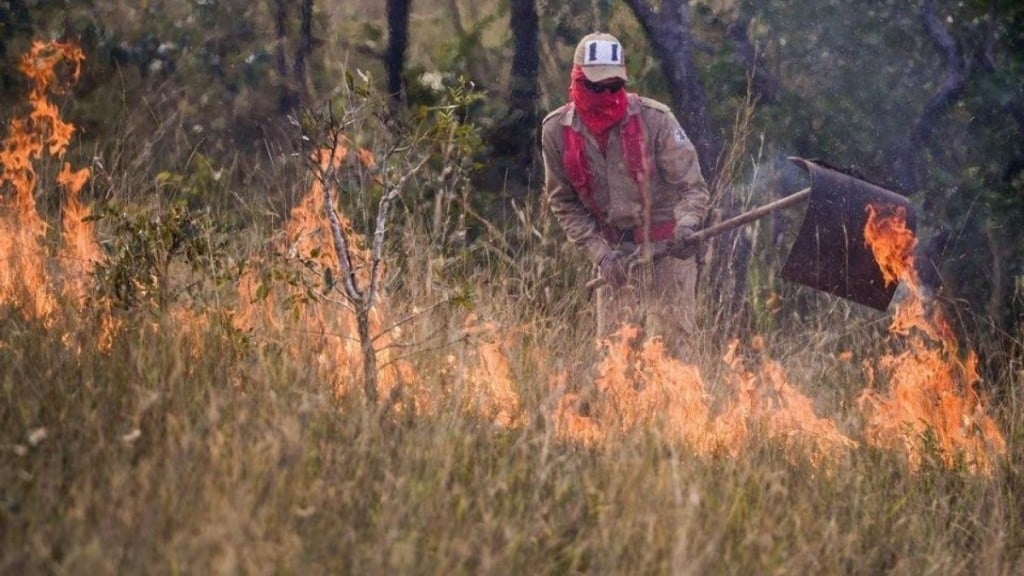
x=668, y=30
x=306, y=42
x=523, y=94
x=287, y=98
x=398, y=40
x=525, y=61
x=293, y=89
x=907, y=169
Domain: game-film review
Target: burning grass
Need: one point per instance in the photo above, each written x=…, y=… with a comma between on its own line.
x=929, y=404
x=231, y=438
x=645, y=387
x=931, y=394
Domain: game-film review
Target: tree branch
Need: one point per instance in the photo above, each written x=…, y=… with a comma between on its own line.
x=327, y=180
x=381, y=226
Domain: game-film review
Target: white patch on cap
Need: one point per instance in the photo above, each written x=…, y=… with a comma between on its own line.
x=602, y=53
x=680, y=135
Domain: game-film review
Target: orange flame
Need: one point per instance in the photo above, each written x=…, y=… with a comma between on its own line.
x=644, y=387
x=81, y=251
x=766, y=399
x=312, y=325
x=637, y=386
x=23, y=279
x=932, y=396
x=482, y=375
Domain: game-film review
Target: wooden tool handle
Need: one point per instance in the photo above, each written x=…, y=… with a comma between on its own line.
x=735, y=222
x=760, y=212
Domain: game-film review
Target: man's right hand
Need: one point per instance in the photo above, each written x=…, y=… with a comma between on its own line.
x=613, y=270
x=684, y=246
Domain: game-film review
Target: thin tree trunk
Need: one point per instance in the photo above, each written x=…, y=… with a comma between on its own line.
x=286, y=99
x=398, y=40
x=369, y=354
x=523, y=94
x=305, y=47
x=668, y=30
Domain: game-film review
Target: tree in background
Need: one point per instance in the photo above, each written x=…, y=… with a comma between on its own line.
x=398, y=12
x=907, y=167
x=668, y=30
x=294, y=84
x=522, y=116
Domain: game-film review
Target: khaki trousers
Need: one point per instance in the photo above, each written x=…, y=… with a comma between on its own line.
x=660, y=298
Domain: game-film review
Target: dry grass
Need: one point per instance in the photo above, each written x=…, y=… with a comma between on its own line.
x=149, y=459
x=183, y=442
x=198, y=449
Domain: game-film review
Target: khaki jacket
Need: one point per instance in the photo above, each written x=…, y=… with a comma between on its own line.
x=676, y=185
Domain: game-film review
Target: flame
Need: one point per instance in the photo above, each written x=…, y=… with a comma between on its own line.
x=81, y=251
x=327, y=330
x=932, y=399
x=642, y=386
x=23, y=277
x=483, y=373
x=22, y=230
x=767, y=401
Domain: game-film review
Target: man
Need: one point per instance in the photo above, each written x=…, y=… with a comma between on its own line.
x=624, y=182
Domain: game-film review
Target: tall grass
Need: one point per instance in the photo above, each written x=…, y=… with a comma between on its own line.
x=188, y=445
x=152, y=459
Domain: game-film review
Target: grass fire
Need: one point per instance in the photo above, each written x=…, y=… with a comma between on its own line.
x=185, y=395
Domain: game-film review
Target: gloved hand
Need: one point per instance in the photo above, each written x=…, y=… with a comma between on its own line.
x=612, y=270
x=683, y=245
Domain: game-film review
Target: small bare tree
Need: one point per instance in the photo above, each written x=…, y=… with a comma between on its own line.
x=432, y=145
x=329, y=143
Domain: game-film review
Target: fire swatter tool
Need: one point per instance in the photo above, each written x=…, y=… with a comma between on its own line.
x=830, y=252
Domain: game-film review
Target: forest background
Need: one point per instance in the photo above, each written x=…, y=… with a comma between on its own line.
x=195, y=120
x=924, y=99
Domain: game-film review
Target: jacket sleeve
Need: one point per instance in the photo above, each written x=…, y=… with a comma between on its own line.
x=579, y=224
x=677, y=161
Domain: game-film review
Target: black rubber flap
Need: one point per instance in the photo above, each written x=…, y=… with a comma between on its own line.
x=830, y=252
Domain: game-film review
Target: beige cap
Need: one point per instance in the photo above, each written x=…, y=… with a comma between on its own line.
x=600, y=56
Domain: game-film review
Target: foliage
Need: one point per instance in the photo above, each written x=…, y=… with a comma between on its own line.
x=856, y=80
x=173, y=442
x=158, y=257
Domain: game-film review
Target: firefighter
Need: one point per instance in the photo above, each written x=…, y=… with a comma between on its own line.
x=623, y=181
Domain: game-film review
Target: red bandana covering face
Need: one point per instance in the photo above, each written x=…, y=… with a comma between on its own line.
x=598, y=112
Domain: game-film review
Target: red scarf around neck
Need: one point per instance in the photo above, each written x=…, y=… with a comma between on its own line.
x=598, y=112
